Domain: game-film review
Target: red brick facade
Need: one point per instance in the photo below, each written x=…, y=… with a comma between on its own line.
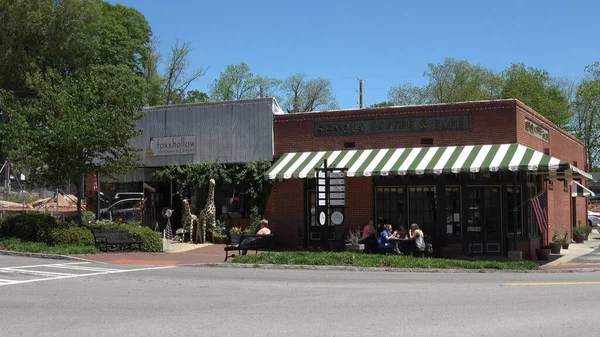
x=490, y=122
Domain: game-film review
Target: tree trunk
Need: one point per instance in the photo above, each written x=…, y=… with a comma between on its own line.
x=80, y=195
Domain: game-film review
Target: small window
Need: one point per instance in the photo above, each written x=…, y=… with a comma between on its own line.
x=349, y=145
x=426, y=141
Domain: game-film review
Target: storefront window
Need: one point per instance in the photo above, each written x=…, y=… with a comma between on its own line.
x=423, y=207
x=513, y=200
x=453, y=218
x=391, y=206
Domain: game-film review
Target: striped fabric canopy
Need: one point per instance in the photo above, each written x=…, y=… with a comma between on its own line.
x=578, y=190
x=420, y=160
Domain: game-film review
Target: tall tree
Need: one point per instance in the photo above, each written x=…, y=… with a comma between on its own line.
x=195, y=96
x=69, y=63
x=408, y=94
x=304, y=95
x=176, y=77
x=586, y=119
x=536, y=88
x=238, y=82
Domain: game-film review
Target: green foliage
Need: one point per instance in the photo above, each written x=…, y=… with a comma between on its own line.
x=238, y=82
x=382, y=105
x=152, y=240
x=369, y=260
x=249, y=177
x=18, y=245
x=305, y=95
x=73, y=235
x=35, y=227
x=580, y=230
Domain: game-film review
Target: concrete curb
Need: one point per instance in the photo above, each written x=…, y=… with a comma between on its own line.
x=45, y=256
x=411, y=270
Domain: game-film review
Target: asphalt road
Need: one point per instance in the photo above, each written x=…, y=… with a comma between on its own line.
x=42, y=297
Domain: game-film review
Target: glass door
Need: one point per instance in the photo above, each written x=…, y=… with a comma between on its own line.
x=483, y=231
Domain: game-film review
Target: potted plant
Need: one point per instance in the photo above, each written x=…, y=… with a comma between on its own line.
x=353, y=241
x=556, y=243
x=218, y=234
x=235, y=233
x=588, y=230
x=579, y=234
x=543, y=253
x=565, y=244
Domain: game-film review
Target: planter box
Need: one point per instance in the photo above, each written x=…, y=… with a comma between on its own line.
x=220, y=241
x=542, y=254
x=579, y=238
x=355, y=248
x=555, y=248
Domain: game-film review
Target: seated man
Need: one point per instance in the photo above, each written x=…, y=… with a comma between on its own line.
x=264, y=230
x=385, y=243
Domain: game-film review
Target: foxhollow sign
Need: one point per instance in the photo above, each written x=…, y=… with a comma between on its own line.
x=443, y=123
x=168, y=146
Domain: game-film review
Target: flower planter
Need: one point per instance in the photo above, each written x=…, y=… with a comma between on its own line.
x=220, y=240
x=355, y=248
x=586, y=236
x=235, y=238
x=555, y=248
x=543, y=254
x=565, y=246
x=579, y=238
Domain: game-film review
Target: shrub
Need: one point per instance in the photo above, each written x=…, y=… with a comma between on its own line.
x=74, y=235
x=152, y=240
x=581, y=230
x=36, y=227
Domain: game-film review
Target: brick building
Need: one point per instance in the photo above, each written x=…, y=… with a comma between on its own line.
x=458, y=170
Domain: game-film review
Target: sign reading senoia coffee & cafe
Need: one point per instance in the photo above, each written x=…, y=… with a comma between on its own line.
x=422, y=124
x=168, y=146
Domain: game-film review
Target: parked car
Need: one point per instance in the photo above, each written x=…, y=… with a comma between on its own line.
x=129, y=195
x=126, y=209
x=593, y=218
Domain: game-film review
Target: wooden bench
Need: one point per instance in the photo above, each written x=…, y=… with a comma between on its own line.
x=254, y=242
x=114, y=238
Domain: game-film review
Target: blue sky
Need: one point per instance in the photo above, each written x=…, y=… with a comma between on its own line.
x=384, y=42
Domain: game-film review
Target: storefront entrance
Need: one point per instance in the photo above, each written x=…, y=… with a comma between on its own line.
x=483, y=230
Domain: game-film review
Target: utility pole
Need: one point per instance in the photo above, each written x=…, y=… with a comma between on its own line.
x=262, y=92
x=360, y=92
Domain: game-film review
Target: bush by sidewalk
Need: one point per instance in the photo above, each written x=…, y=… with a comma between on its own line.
x=368, y=260
x=36, y=231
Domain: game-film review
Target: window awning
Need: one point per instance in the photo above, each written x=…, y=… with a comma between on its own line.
x=578, y=190
x=424, y=160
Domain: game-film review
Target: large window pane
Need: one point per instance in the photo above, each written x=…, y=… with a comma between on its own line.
x=453, y=212
x=423, y=207
x=390, y=206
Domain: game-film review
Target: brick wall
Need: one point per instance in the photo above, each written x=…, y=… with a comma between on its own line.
x=564, y=146
x=489, y=123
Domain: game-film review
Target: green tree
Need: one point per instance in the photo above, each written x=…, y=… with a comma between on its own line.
x=408, y=94
x=195, y=96
x=304, y=95
x=536, y=88
x=586, y=118
x=381, y=104
x=77, y=72
x=238, y=82
x=177, y=78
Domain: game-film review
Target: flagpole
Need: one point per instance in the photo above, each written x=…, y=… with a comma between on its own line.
x=544, y=190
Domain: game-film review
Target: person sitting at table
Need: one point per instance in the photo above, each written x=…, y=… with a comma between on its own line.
x=385, y=240
x=369, y=238
x=416, y=234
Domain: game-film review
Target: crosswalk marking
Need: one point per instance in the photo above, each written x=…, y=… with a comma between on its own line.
x=79, y=269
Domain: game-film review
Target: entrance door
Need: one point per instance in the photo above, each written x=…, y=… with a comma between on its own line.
x=483, y=231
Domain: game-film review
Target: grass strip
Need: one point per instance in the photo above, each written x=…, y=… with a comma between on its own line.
x=367, y=260
x=18, y=245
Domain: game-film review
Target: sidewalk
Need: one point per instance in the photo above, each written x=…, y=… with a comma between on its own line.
x=181, y=253
x=579, y=255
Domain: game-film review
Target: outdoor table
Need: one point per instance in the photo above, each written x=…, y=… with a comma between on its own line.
x=404, y=244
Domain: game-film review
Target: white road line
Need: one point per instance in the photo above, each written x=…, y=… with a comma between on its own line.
x=84, y=268
x=48, y=265
x=86, y=275
x=6, y=281
x=32, y=272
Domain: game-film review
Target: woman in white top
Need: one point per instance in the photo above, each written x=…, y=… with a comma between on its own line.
x=416, y=234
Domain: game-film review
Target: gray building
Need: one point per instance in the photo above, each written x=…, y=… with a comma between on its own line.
x=227, y=132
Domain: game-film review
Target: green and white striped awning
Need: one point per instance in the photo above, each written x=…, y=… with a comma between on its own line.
x=578, y=190
x=422, y=160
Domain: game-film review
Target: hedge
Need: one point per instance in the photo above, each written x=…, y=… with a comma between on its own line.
x=39, y=227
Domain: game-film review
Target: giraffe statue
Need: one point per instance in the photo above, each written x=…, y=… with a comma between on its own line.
x=188, y=219
x=207, y=218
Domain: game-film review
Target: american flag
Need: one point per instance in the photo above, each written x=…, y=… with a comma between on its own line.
x=540, y=208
